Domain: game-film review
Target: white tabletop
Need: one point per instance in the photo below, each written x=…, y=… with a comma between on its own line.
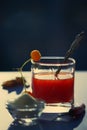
x=80, y=97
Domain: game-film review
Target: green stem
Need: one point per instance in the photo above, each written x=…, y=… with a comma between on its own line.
x=25, y=63
x=21, y=70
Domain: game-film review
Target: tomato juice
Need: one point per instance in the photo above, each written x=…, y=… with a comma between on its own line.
x=46, y=87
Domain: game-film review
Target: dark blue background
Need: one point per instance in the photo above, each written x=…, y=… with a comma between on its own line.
x=47, y=25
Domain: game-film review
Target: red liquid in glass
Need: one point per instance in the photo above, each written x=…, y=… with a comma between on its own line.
x=51, y=90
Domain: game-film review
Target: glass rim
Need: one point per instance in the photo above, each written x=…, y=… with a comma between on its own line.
x=71, y=61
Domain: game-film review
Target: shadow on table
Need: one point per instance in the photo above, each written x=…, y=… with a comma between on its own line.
x=17, y=89
x=51, y=125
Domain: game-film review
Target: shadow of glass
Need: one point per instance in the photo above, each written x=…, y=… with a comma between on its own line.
x=62, y=125
x=51, y=125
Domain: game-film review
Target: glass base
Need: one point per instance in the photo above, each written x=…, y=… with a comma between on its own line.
x=56, y=112
x=59, y=108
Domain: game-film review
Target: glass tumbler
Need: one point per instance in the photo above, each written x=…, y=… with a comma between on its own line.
x=56, y=89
